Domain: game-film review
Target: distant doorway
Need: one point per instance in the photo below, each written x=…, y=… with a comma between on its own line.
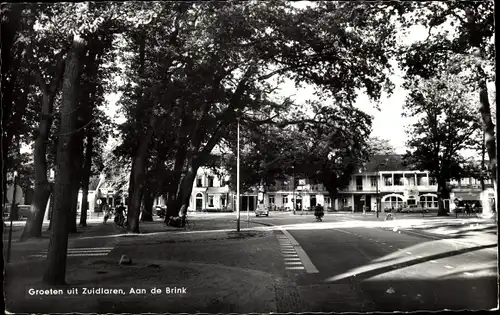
x=313, y=201
x=199, y=202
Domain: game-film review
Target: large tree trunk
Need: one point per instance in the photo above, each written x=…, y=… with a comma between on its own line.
x=173, y=205
x=67, y=150
x=137, y=182
x=77, y=160
x=488, y=127
x=186, y=187
x=33, y=227
x=442, y=194
x=147, y=210
x=87, y=164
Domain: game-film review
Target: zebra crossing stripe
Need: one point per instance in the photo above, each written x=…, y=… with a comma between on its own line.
x=293, y=263
x=85, y=251
x=90, y=248
x=294, y=268
x=292, y=258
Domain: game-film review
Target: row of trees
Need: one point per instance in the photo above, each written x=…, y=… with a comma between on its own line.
x=447, y=76
x=188, y=71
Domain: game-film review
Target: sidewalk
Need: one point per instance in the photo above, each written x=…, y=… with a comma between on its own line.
x=212, y=271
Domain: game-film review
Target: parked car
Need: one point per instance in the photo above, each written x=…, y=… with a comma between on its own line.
x=261, y=210
x=414, y=209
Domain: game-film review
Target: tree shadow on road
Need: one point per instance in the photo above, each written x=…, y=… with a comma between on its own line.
x=381, y=270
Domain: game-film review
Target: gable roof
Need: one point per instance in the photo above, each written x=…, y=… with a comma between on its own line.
x=386, y=162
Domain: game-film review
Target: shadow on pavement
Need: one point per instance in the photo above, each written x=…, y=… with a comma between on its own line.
x=378, y=271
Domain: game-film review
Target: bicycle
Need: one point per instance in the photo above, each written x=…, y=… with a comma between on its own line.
x=176, y=222
x=120, y=220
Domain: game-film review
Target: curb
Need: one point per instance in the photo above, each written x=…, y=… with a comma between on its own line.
x=306, y=261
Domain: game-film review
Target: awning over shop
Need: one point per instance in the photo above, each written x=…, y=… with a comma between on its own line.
x=467, y=195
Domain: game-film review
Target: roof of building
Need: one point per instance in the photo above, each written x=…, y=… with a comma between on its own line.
x=386, y=162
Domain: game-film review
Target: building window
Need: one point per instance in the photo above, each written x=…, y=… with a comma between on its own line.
x=210, y=181
x=432, y=181
x=398, y=180
x=429, y=202
x=393, y=202
x=210, y=200
x=223, y=200
x=198, y=182
x=327, y=202
x=285, y=200
x=271, y=199
x=359, y=183
x=388, y=180
x=373, y=181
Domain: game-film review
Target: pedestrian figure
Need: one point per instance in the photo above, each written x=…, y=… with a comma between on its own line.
x=467, y=209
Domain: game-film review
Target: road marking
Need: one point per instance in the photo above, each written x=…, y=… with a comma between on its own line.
x=292, y=258
x=293, y=263
x=409, y=253
x=433, y=261
x=418, y=256
x=71, y=255
x=449, y=267
x=295, y=268
x=90, y=248
x=468, y=274
x=83, y=251
x=306, y=261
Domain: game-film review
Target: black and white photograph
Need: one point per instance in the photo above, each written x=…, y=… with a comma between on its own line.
x=237, y=157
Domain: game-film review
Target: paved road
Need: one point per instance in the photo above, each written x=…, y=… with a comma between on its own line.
x=365, y=267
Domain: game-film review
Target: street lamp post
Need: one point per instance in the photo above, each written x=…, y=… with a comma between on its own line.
x=378, y=197
x=293, y=189
x=12, y=211
x=238, y=180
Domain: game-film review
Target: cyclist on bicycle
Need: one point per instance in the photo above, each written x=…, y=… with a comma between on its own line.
x=120, y=214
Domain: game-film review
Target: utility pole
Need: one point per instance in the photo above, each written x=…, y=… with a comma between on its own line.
x=238, y=180
x=378, y=197
x=293, y=192
x=12, y=210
